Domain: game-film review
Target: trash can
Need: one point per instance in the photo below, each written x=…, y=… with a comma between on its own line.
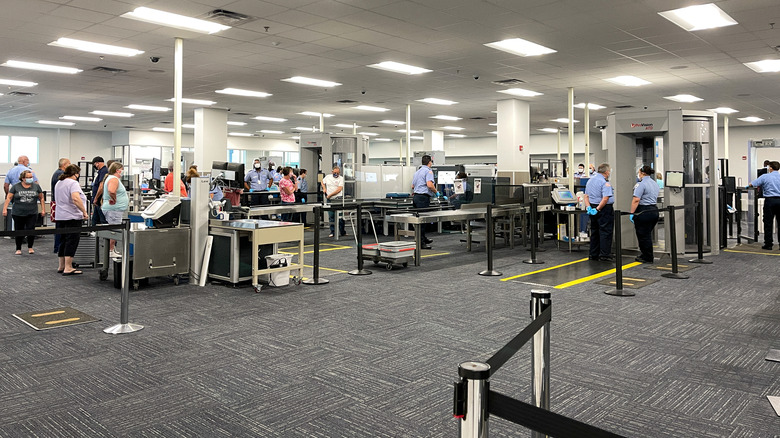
x=281, y=278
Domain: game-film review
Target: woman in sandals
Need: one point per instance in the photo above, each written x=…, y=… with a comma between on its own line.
x=25, y=196
x=71, y=211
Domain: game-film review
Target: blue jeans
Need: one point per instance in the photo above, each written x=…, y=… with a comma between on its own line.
x=332, y=217
x=97, y=216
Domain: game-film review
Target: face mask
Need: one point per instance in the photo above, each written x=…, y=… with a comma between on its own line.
x=591, y=171
x=28, y=180
x=335, y=175
x=582, y=169
x=257, y=166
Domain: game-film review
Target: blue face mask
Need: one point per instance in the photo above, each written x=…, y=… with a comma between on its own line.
x=335, y=175
x=28, y=180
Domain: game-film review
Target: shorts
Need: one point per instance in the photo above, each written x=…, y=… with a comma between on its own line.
x=114, y=217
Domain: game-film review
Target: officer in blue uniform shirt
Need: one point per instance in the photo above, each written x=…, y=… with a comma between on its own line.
x=599, y=200
x=644, y=212
x=258, y=180
x=424, y=189
x=769, y=183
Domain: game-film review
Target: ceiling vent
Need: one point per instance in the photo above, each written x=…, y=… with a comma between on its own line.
x=477, y=118
x=241, y=114
x=21, y=94
x=509, y=82
x=624, y=106
x=108, y=70
x=129, y=127
x=166, y=122
x=374, y=126
x=228, y=18
x=347, y=101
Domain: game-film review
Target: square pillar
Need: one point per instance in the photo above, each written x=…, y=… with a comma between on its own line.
x=433, y=140
x=513, y=135
x=210, y=137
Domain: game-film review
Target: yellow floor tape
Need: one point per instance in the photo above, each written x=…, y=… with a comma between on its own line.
x=594, y=276
x=327, y=269
x=434, y=255
x=751, y=252
x=543, y=270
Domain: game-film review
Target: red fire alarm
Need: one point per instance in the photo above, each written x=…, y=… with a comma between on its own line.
x=744, y=158
x=520, y=148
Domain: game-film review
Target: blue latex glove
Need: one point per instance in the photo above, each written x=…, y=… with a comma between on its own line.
x=438, y=194
x=631, y=218
x=251, y=190
x=445, y=198
x=592, y=211
x=303, y=200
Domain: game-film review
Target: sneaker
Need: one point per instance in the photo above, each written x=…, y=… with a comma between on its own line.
x=115, y=254
x=330, y=235
x=769, y=247
x=606, y=259
x=425, y=246
x=427, y=241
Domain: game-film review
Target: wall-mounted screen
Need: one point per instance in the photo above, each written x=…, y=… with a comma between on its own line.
x=674, y=179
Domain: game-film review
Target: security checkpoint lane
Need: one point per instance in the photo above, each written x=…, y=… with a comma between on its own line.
x=569, y=274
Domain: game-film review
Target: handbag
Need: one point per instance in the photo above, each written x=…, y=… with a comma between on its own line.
x=52, y=209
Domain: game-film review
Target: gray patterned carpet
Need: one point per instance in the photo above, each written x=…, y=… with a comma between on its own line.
x=374, y=356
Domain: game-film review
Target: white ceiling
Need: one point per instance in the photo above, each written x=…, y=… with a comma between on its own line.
x=336, y=39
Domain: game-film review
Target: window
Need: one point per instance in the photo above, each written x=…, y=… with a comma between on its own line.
x=236, y=156
x=292, y=159
x=13, y=146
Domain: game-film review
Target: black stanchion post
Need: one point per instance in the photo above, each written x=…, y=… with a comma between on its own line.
x=316, y=267
x=673, y=246
x=124, y=326
x=489, y=243
x=700, y=237
x=619, y=260
x=534, y=233
x=359, y=232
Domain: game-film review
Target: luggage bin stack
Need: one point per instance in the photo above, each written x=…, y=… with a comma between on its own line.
x=395, y=253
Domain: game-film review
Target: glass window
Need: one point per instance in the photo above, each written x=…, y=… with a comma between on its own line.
x=25, y=146
x=236, y=156
x=292, y=159
x=5, y=151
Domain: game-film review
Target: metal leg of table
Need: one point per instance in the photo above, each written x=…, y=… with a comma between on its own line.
x=417, y=244
x=468, y=239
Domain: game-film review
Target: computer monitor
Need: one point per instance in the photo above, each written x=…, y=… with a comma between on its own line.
x=219, y=165
x=156, y=165
x=674, y=179
x=238, y=179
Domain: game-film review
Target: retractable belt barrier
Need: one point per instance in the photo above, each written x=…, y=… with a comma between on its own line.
x=50, y=230
x=316, y=267
x=474, y=401
x=534, y=231
x=490, y=236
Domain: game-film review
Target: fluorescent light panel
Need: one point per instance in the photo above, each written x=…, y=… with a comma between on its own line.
x=493, y=132
x=685, y=98
x=193, y=101
x=236, y=123
x=303, y=128
x=765, y=66
x=381, y=139
x=392, y=122
x=81, y=119
x=311, y=81
x=397, y=67
x=751, y=119
x=240, y=134
x=176, y=21
x=723, y=110
x=591, y=106
x=188, y=126
x=15, y=83
x=162, y=129
x=452, y=128
x=456, y=135
x=628, y=81
x=437, y=101
x=404, y=130
x=111, y=113
x=552, y=130
x=520, y=92
x=563, y=120
x=450, y=118
x=161, y=109
x=371, y=108
x=519, y=46
x=346, y=125
x=416, y=137
x=41, y=67
x=55, y=122
x=271, y=131
x=315, y=114
x=270, y=119
x=370, y=134
x=88, y=46
x=699, y=17
x=241, y=92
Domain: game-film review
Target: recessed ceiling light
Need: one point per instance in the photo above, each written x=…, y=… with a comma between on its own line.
x=162, y=129
x=699, y=17
x=240, y=134
x=193, y=101
x=88, y=46
x=751, y=119
x=236, y=123
x=55, y=122
x=81, y=119
x=520, y=92
x=111, y=113
x=592, y=106
x=17, y=83
x=176, y=21
x=417, y=137
x=452, y=128
x=346, y=125
x=392, y=122
x=370, y=134
x=451, y=118
x=245, y=93
x=456, y=135
x=436, y=101
x=378, y=109
x=723, y=110
x=493, y=132
x=765, y=66
x=188, y=126
x=553, y=130
x=400, y=68
x=519, y=46
x=315, y=114
x=686, y=98
x=311, y=81
x=404, y=130
x=563, y=120
x=303, y=128
x=148, y=108
x=271, y=131
x=628, y=81
x=295, y=137
x=492, y=124
x=41, y=67
x=270, y=119
x=381, y=139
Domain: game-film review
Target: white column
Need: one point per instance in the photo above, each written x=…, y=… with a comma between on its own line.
x=178, y=74
x=569, y=163
x=433, y=140
x=210, y=137
x=725, y=138
x=513, y=132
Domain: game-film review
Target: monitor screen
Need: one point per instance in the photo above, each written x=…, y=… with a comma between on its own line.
x=156, y=165
x=674, y=179
x=566, y=195
x=219, y=165
x=447, y=177
x=238, y=168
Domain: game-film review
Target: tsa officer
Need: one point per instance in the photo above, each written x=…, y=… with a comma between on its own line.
x=644, y=213
x=258, y=180
x=769, y=183
x=599, y=199
x=424, y=189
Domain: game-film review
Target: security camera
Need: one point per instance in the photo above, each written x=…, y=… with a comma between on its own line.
x=644, y=107
x=476, y=77
x=154, y=59
x=363, y=92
